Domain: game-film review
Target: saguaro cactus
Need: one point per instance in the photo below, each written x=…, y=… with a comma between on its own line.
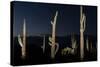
x=52, y=40
x=43, y=47
x=22, y=42
x=74, y=46
x=87, y=44
x=82, y=29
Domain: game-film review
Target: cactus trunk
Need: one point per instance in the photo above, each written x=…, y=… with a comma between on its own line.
x=53, y=41
x=82, y=45
x=24, y=39
x=82, y=29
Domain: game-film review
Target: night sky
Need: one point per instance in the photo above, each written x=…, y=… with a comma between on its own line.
x=39, y=15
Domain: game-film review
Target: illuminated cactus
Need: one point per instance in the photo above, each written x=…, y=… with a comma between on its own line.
x=43, y=47
x=82, y=29
x=52, y=43
x=22, y=42
x=67, y=50
x=87, y=44
x=74, y=46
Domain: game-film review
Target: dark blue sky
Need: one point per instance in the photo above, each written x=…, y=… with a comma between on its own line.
x=38, y=17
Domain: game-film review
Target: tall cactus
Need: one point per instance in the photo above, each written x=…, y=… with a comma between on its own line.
x=82, y=29
x=43, y=46
x=22, y=42
x=52, y=40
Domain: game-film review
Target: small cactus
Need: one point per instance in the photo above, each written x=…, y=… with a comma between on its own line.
x=74, y=46
x=22, y=42
x=43, y=47
x=87, y=44
x=82, y=29
x=66, y=51
x=52, y=40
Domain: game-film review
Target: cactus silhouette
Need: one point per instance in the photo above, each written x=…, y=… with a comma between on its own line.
x=52, y=43
x=82, y=29
x=22, y=42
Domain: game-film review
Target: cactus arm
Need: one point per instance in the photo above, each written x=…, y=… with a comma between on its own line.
x=20, y=41
x=50, y=39
x=74, y=47
x=84, y=25
x=55, y=18
x=83, y=22
x=52, y=22
x=74, y=44
x=50, y=44
x=57, y=48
